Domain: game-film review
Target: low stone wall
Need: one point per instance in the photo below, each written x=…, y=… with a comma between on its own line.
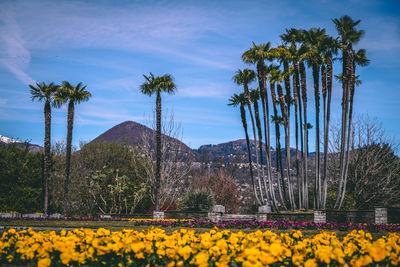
x=292, y=217
x=133, y=216
x=350, y=216
x=393, y=215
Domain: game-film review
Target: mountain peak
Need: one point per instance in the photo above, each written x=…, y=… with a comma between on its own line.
x=8, y=140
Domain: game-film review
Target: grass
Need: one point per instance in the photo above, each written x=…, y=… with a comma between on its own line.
x=120, y=225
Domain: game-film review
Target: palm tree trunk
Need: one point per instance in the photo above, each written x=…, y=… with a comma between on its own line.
x=298, y=101
x=303, y=83
x=158, y=151
x=264, y=102
x=345, y=106
x=284, y=113
x=281, y=184
x=268, y=142
x=328, y=77
x=324, y=94
x=258, y=124
x=351, y=82
x=317, y=186
x=295, y=98
x=246, y=94
x=244, y=122
x=287, y=133
x=47, y=160
x=70, y=126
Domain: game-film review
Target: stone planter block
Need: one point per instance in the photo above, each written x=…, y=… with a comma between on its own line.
x=158, y=215
x=10, y=215
x=218, y=208
x=319, y=216
x=55, y=216
x=262, y=217
x=380, y=215
x=34, y=216
x=214, y=217
x=264, y=209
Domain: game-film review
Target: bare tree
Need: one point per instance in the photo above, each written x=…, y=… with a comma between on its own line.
x=176, y=163
x=374, y=169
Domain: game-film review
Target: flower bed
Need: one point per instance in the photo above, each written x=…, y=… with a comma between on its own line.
x=236, y=224
x=189, y=248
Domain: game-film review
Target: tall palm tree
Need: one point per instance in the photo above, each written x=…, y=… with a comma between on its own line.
x=348, y=36
x=241, y=101
x=157, y=85
x=245, y=77
x=293, y=37
x=360, y=59
x=257, y=55
x=254, y=97
x=275, y=76
x=48, y=94
x=314, y=38
x=330, y=48
x=74, y=95
x=285, y=120
x=303, y=83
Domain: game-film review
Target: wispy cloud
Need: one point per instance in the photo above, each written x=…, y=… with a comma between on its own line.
x=206, y=89
x=83, y=25
x=15, y=57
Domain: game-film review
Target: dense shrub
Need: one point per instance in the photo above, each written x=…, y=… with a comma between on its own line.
x=197, y=200
x=21, y=178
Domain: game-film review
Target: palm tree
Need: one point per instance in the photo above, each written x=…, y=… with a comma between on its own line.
x=314, y=38
x=293, y=36
x=254, y=97
x=348, y=37
x=275, y=76
x=257, y=55
x=330, y=47
x=157, y=85
x=285, y=120
x=303, y=83
x=361, y=59
x=47, y=93
x=74, y=95
x=241, y=101
x=245, y=77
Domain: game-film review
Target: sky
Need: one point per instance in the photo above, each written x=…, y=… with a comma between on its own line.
x=109, y=45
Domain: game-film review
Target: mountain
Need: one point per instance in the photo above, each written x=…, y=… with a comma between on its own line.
x=131, y=133
x=235, y=152
x=8, y=140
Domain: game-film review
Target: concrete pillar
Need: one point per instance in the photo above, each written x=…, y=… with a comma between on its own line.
x=214, y=217
x=264, y=209
x=216, y=213
x=381, y=215
x=159, y=215
x=319, y=216
x=218, y=208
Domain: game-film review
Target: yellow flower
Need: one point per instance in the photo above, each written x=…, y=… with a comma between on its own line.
x=44, y=262
x=377, y=253
x=65, y=257
x=310, y=263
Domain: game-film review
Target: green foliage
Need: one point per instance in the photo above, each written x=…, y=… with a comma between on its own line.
x=197, y=200
x=348, y=202
x=21, y=178
x=99, y=170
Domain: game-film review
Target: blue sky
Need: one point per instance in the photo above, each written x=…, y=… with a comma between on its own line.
x=109, y=45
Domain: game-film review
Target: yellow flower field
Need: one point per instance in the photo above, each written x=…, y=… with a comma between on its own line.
x=189, y=248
